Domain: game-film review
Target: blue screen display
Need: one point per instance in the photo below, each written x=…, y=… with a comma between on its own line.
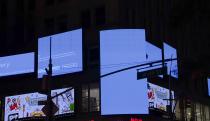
x=153, y=53
x=66, y=53
x=170, y=53
x=122, y=93
x=17, y=64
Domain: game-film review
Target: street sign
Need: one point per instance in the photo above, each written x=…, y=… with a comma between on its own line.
x=54, y=108
x=151, y=73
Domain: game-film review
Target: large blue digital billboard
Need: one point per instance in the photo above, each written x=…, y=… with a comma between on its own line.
x=66, y=53
x=122, y=93
x=17, y=64
x=170, y=53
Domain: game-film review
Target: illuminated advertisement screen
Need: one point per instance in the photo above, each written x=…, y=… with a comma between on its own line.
x=65, y=101
x=66, y=53
x=122, y=93
x=17, y=64
x=153, y=53
x=23, y=106
x=170, y=53
x=158, y=96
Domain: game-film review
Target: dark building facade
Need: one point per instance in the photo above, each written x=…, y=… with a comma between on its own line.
x=22, y=22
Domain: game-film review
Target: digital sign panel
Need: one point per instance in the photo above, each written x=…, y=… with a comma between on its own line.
x=17, y=64
x=158, y=96
x=171, y=53
x=23, y=106
x=122, y=93
x=65, y=101
x=66, y=53
x=153, y=53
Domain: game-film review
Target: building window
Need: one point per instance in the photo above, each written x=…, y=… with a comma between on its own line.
x=49, y=25
x=90, y=97
x=31, y=4
x=86, y=19
x=100, y=15
x=62, y=23
x=94, y=97
x=198, y=112
x=49, y=2
x=85, y=93
x=206, y=113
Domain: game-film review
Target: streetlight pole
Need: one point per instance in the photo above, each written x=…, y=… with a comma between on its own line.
x=170, y=94
x=49, y=74
x=169, y=82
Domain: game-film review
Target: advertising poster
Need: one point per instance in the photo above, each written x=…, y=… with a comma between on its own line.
x=65, y=101
x=23, y=106
x=158, y=96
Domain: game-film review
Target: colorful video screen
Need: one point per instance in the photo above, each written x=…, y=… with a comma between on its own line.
x=64, y=100
x=17, y=64
x=66, y=53
x=23, y=106
x=122, y=93
x=158, y=97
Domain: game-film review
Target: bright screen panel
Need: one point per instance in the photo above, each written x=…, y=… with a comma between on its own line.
x=158, y=96
x=23, y=106
x=66, y=53
x=122, y=93
x=65, y=101
x=171, y=53
x=17, y=64
x=153, y=53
